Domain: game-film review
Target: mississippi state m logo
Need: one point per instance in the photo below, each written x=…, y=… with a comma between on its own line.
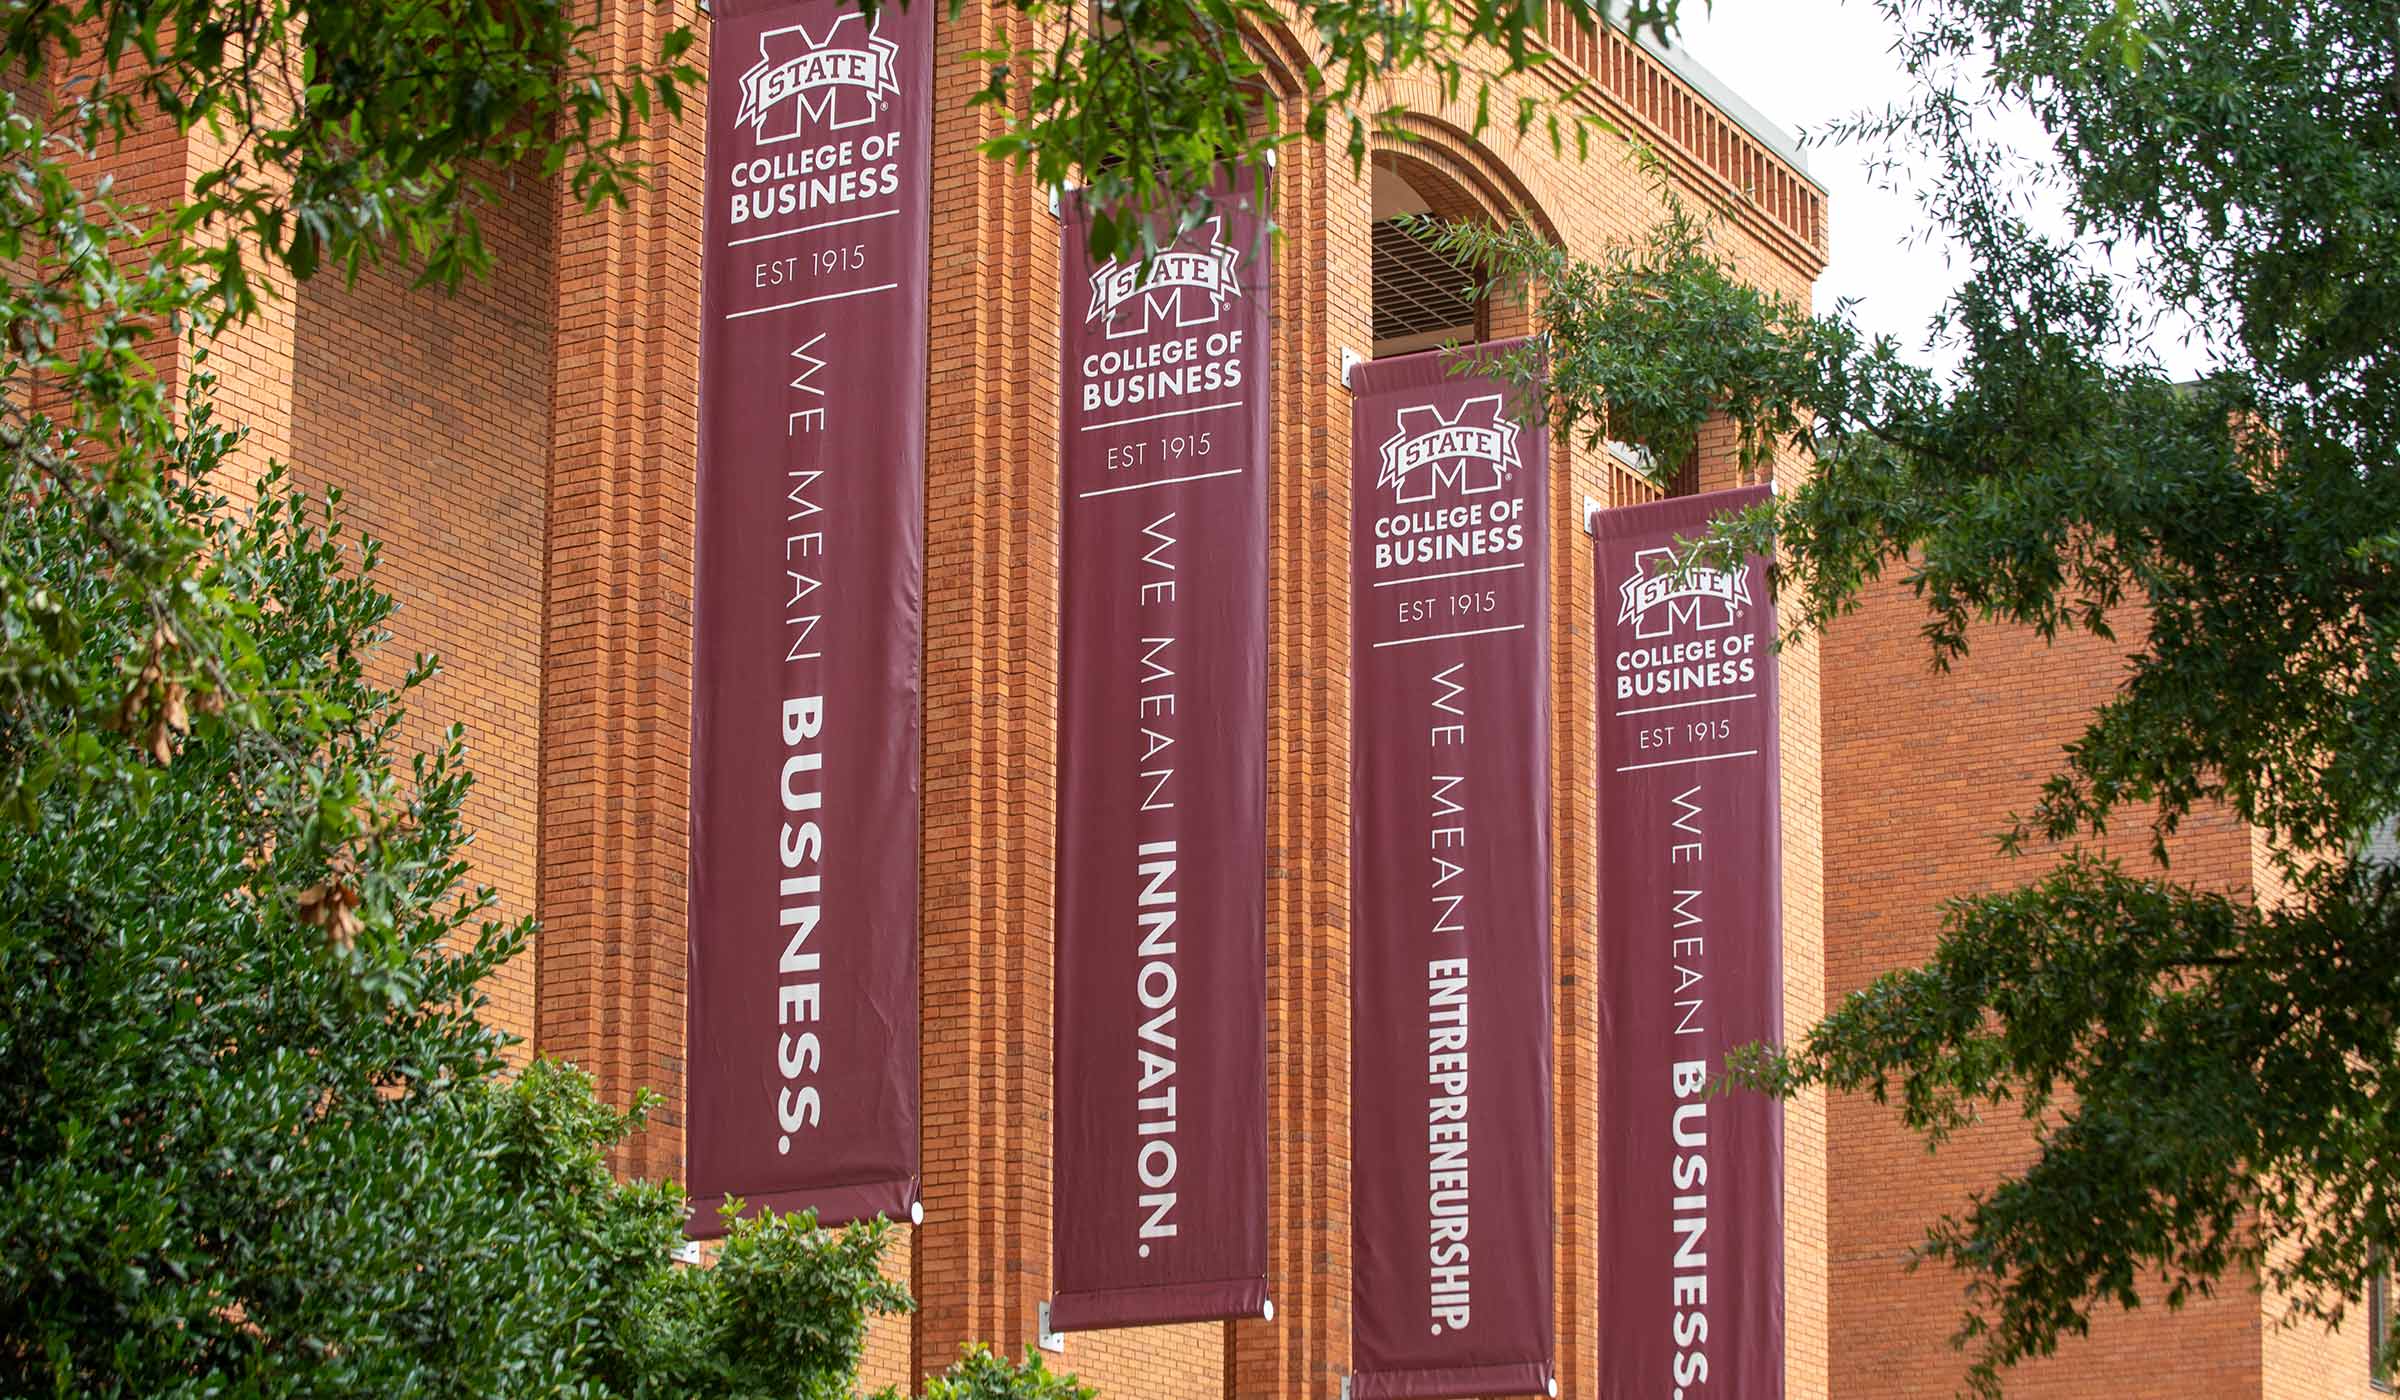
x=840, y=78
x=1188, y=286
x=1468, y=452
x=1660, y=603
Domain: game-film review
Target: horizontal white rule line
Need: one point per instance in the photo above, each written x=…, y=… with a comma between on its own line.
x=1154, y=417
x=1676, y=762
x=1687, y=704
x=812, y=228
x=1459, y=573
x=809, y=301
x=1447, y=636
x=1162, y=481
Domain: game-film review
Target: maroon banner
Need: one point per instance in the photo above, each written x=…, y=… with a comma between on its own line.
x=1450, y=1128
x=808, y=603
x=1691, y=960
x=1160, y=1115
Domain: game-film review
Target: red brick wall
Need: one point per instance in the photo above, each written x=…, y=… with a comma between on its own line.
x=1921, y=770
x=431, y=413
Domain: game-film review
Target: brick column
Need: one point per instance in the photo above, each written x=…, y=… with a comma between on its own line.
x=1807, y=1344
x=1304, y=1351
x=1800, y=740
x=1575, y=911
x=153, y=168
x=253, y=362
x=616, y=695
x=991, y=627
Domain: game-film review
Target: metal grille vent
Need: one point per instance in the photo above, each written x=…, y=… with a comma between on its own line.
x=1418, y=291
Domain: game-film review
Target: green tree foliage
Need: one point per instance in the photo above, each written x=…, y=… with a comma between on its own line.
x=979, y=1375
x=2207, y=1074
x=261, y=1143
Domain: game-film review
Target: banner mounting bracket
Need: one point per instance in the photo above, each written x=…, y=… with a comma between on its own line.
x=1044, y=1337
x=1591, y=514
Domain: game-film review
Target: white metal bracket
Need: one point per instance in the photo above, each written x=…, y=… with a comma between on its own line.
x=1591, y=515
x=1345, y=1388
x=688, y=1252
x=1044, y=1338
x=1351, y=360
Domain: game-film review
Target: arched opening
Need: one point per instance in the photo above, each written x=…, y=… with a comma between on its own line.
x=1422, y=298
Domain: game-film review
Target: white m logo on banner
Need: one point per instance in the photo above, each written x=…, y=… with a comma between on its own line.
x=843, y=79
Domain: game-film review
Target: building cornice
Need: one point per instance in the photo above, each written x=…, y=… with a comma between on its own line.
x=1703, y=129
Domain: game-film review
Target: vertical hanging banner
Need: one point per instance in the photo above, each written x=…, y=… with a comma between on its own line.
x=1691, y=960
x=1159, y=1120
x=1450, y=1126
x=806, y=686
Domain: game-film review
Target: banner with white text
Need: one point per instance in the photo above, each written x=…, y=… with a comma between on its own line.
x=806, y=687
x=1450, y=1126
x=1159, y=1121
x=1691, y=959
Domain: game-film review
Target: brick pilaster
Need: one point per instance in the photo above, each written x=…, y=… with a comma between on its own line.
x=991, y=622
x=616, y=701
x=1323, y=208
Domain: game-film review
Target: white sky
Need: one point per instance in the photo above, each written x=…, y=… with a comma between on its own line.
x=1804, y=63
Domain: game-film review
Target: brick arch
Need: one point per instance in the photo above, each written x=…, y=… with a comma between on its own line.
x=1461, y=181
x=1281, y=50
x=1452, y=198
x=1432, y=151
